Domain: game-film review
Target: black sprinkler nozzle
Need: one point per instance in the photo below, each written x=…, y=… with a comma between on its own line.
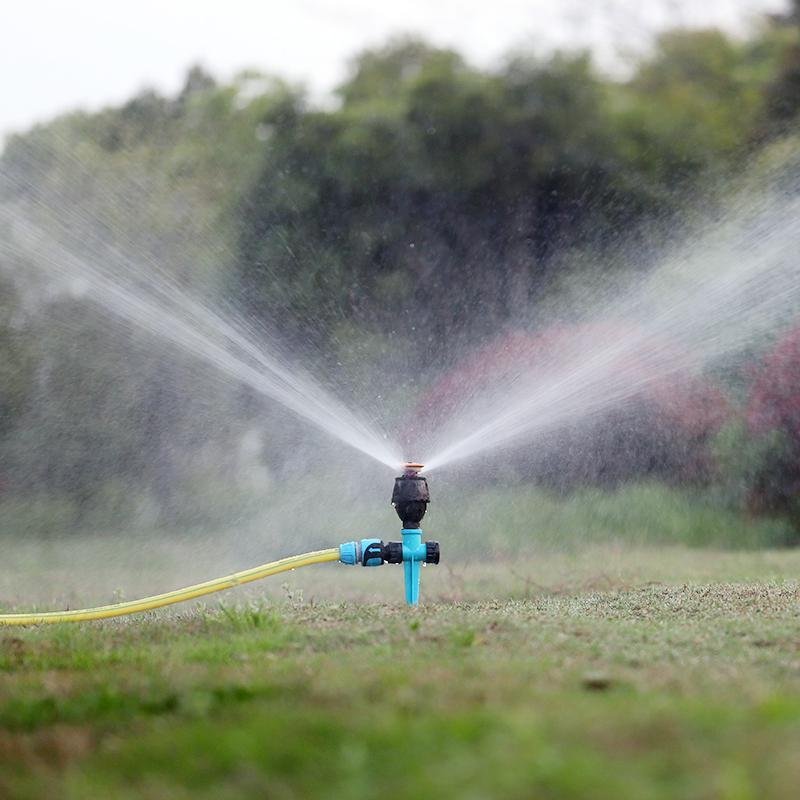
x=411, y=496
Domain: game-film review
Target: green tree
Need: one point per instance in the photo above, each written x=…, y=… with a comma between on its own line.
x=782, y=95
x=434, y=189
x=152, y=184
x=15, y=359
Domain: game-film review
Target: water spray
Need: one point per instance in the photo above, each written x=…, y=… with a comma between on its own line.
x=410, y=499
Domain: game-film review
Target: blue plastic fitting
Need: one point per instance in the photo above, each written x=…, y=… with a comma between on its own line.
x=373, y=553
x=348, y=553
x=352, y=553
x=414, y=552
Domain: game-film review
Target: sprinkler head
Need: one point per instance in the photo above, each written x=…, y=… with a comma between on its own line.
x=410, y=497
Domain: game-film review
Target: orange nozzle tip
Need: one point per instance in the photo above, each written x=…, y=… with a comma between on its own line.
x=412, y=466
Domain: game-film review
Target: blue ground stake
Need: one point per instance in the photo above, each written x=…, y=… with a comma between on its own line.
x=414, y=554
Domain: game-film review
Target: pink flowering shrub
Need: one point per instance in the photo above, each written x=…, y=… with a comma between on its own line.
x=662, y=429
x=774, y=402
x=773, y=423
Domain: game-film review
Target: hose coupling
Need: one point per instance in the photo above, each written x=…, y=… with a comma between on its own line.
x=374, y=553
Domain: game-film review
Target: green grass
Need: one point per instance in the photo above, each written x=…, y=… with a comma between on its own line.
x=618, y=673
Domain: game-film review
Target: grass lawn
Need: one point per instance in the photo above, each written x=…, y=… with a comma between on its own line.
x=616, y=673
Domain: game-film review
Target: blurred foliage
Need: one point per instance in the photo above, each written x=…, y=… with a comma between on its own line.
x=436, y=188
x=662, y=431
x=157, y=176
x=782, y=94
x=16, y=363
x=85, y=406
x=433, y=196
x=773, y=417
x=758, y=451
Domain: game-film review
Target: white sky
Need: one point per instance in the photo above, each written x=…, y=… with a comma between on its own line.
x=57, y=55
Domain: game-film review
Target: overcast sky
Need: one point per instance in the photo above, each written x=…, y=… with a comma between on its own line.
x=57, y=55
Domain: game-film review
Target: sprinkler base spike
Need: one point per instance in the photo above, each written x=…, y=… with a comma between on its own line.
x=414, y=554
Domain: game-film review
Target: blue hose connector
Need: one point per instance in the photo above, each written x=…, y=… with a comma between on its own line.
x=348, y=553
x=366, y=552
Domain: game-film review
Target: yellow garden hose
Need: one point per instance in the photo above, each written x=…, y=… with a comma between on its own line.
x=176, y=596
